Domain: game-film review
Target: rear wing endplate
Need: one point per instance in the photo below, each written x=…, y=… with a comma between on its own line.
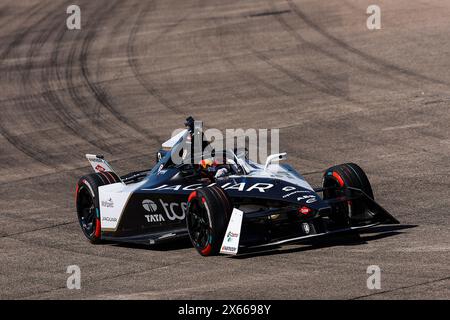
x=99, y=164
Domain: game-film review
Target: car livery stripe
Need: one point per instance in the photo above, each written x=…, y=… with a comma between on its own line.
x=97, y=229
x=106, y=176
x=192, y=196
x=100, y=175
x=107, y=173
x=338, y=178
x=207, y=250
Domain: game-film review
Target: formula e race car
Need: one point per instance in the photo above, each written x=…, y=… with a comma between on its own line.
x=223, y=206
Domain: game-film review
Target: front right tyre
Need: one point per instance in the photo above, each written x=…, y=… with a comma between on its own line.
x=208, y=214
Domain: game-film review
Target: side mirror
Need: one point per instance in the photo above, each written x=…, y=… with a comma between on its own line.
x=275, y=157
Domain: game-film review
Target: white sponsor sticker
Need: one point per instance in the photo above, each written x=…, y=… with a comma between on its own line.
x=230, y=244
x=112, y=203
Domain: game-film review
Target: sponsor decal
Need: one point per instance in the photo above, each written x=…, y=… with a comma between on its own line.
x=231, y=235
x=230, y=243
x=162, y=171
x=288, y=188
x=96, y=160
x=261, y=187
x=174, y=211
x=99, y=168
x=108, y=204
x=306, y=227
x=149, y=205
x=295, y=192
x=308, y=198
x=175, y=187
x=228, y=249
x=110, y=219
x=243, y=187
x=193, y=187
x=154, y=218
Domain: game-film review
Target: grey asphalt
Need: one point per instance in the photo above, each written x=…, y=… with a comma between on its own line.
x=119, y=86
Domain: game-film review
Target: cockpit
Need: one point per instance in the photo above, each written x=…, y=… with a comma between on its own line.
x=212, y=165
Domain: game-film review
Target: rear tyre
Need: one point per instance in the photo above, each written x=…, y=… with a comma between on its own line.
x=342, y=176
x=208, y=214
x=87, y=203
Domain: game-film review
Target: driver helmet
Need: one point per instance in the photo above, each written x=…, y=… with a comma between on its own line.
x=208, y=164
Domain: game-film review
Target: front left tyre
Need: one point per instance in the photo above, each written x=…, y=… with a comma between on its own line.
x=208, y=214
x=87, y=203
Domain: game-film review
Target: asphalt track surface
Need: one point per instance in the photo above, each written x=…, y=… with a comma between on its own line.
x=119, y=86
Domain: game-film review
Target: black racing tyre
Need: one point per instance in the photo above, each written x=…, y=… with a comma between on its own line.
x=338, y=177
x=208, y=214
x=87, y=203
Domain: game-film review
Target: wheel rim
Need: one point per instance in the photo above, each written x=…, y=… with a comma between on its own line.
x=198, y=225
x=86, y=212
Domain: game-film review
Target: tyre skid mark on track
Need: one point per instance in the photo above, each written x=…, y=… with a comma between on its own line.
x=146, y=131
x=35, y=47
x=324, y=77
x=38, y=229
x=61, y=110
x=295, y=77
x=92, y=132
x=19, y=144
x=39, y=94
x=68, y=171
x=133, y=62
x=18, y=39
x=248, y=76
x=376, y=142
x=99, y=94
x=98, y=91
x=322, y=50
x=119, y=275
x=13, y=17
x=363, y=55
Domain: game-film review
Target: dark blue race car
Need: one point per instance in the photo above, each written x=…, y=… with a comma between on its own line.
x=223, y=206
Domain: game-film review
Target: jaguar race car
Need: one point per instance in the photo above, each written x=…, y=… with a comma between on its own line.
x=222, y=206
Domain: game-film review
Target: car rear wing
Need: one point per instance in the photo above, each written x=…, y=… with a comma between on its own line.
x=100, y=165
x=169, y=144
